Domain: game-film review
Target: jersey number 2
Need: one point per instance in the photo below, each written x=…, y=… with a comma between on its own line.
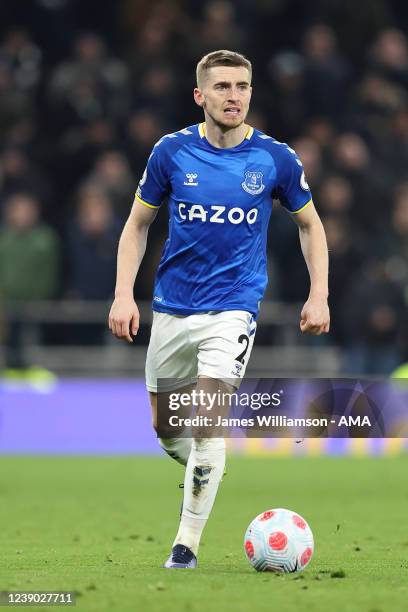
x=241, y=357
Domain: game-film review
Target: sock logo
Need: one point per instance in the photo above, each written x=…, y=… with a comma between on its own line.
x=199, y=478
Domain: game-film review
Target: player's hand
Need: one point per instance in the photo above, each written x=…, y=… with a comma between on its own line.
x=315, y=317
x=124, y=318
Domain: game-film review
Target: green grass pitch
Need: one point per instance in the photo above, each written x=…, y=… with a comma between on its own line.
x=103, y=527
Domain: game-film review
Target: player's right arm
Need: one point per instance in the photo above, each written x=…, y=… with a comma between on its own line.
x=152, y=189
x=124, y=313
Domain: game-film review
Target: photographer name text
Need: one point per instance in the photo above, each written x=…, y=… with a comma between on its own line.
x=269, y=421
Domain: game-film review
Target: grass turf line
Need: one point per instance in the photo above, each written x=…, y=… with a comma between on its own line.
x=104, y=526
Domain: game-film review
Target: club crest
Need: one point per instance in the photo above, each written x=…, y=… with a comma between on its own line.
x=253, y=183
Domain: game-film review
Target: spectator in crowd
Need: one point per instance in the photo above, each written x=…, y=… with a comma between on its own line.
x=143, y=130
x=23, y=59
x=92, y=243
x=346, y=257
x=112, y=175
x=399, y=221
x=373, y=313
x=326, y=73
x=90, y=86
x=23, y=135
x=19, y=174
x=372, y=106
x=14, y=104
x=322, y=131
x=157, y=91
x=335, y=196
x=29, y=264
x=218, y=29
x=162, y=34
x=391, y=142
x=399, y=135
x=394, y=242
x=389, y=56
x=285, y=99
x=78, y=149
x=370, y=183
x=20, y=77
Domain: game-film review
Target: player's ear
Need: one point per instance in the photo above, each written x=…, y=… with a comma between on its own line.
x=198, y=97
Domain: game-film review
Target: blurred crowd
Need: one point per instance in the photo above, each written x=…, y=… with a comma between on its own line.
x=86, y=89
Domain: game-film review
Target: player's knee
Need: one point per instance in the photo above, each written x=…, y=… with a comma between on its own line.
x=177, y=448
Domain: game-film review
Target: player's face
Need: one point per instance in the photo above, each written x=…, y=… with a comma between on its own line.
x=225, y=95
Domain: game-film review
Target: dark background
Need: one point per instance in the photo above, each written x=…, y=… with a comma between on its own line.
x=87, y=88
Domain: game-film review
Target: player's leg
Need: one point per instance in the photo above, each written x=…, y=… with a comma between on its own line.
x=175, y=441
x=204, y=470
x=224, y=349
x=170, y=367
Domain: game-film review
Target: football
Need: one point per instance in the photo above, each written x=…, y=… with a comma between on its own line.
x=279, y=540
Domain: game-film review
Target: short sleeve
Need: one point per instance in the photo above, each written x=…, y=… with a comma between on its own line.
x=154, y=184
x=292, y=190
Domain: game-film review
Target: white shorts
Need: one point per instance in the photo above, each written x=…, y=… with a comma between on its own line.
x=213, y=344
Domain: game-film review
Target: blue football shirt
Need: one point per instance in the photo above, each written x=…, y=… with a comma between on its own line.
x=220, y=202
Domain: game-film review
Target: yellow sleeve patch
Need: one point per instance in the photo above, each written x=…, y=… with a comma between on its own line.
x=295, y=212
x=145, y=203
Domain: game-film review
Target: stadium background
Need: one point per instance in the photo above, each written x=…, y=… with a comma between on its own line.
x=86, y=89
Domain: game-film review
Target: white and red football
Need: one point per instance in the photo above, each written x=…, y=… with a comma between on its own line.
x=279, y=540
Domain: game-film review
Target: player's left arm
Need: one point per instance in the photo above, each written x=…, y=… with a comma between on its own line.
x=315, y=315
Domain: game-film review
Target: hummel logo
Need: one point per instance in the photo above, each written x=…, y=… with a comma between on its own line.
x=191, y=176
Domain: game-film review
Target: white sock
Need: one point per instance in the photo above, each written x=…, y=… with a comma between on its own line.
x=204, y=471
x=176, y=448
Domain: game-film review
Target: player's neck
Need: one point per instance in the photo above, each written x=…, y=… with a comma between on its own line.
x=224, y=139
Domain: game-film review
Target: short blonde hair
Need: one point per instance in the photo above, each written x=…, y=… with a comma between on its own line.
x=221, y=58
